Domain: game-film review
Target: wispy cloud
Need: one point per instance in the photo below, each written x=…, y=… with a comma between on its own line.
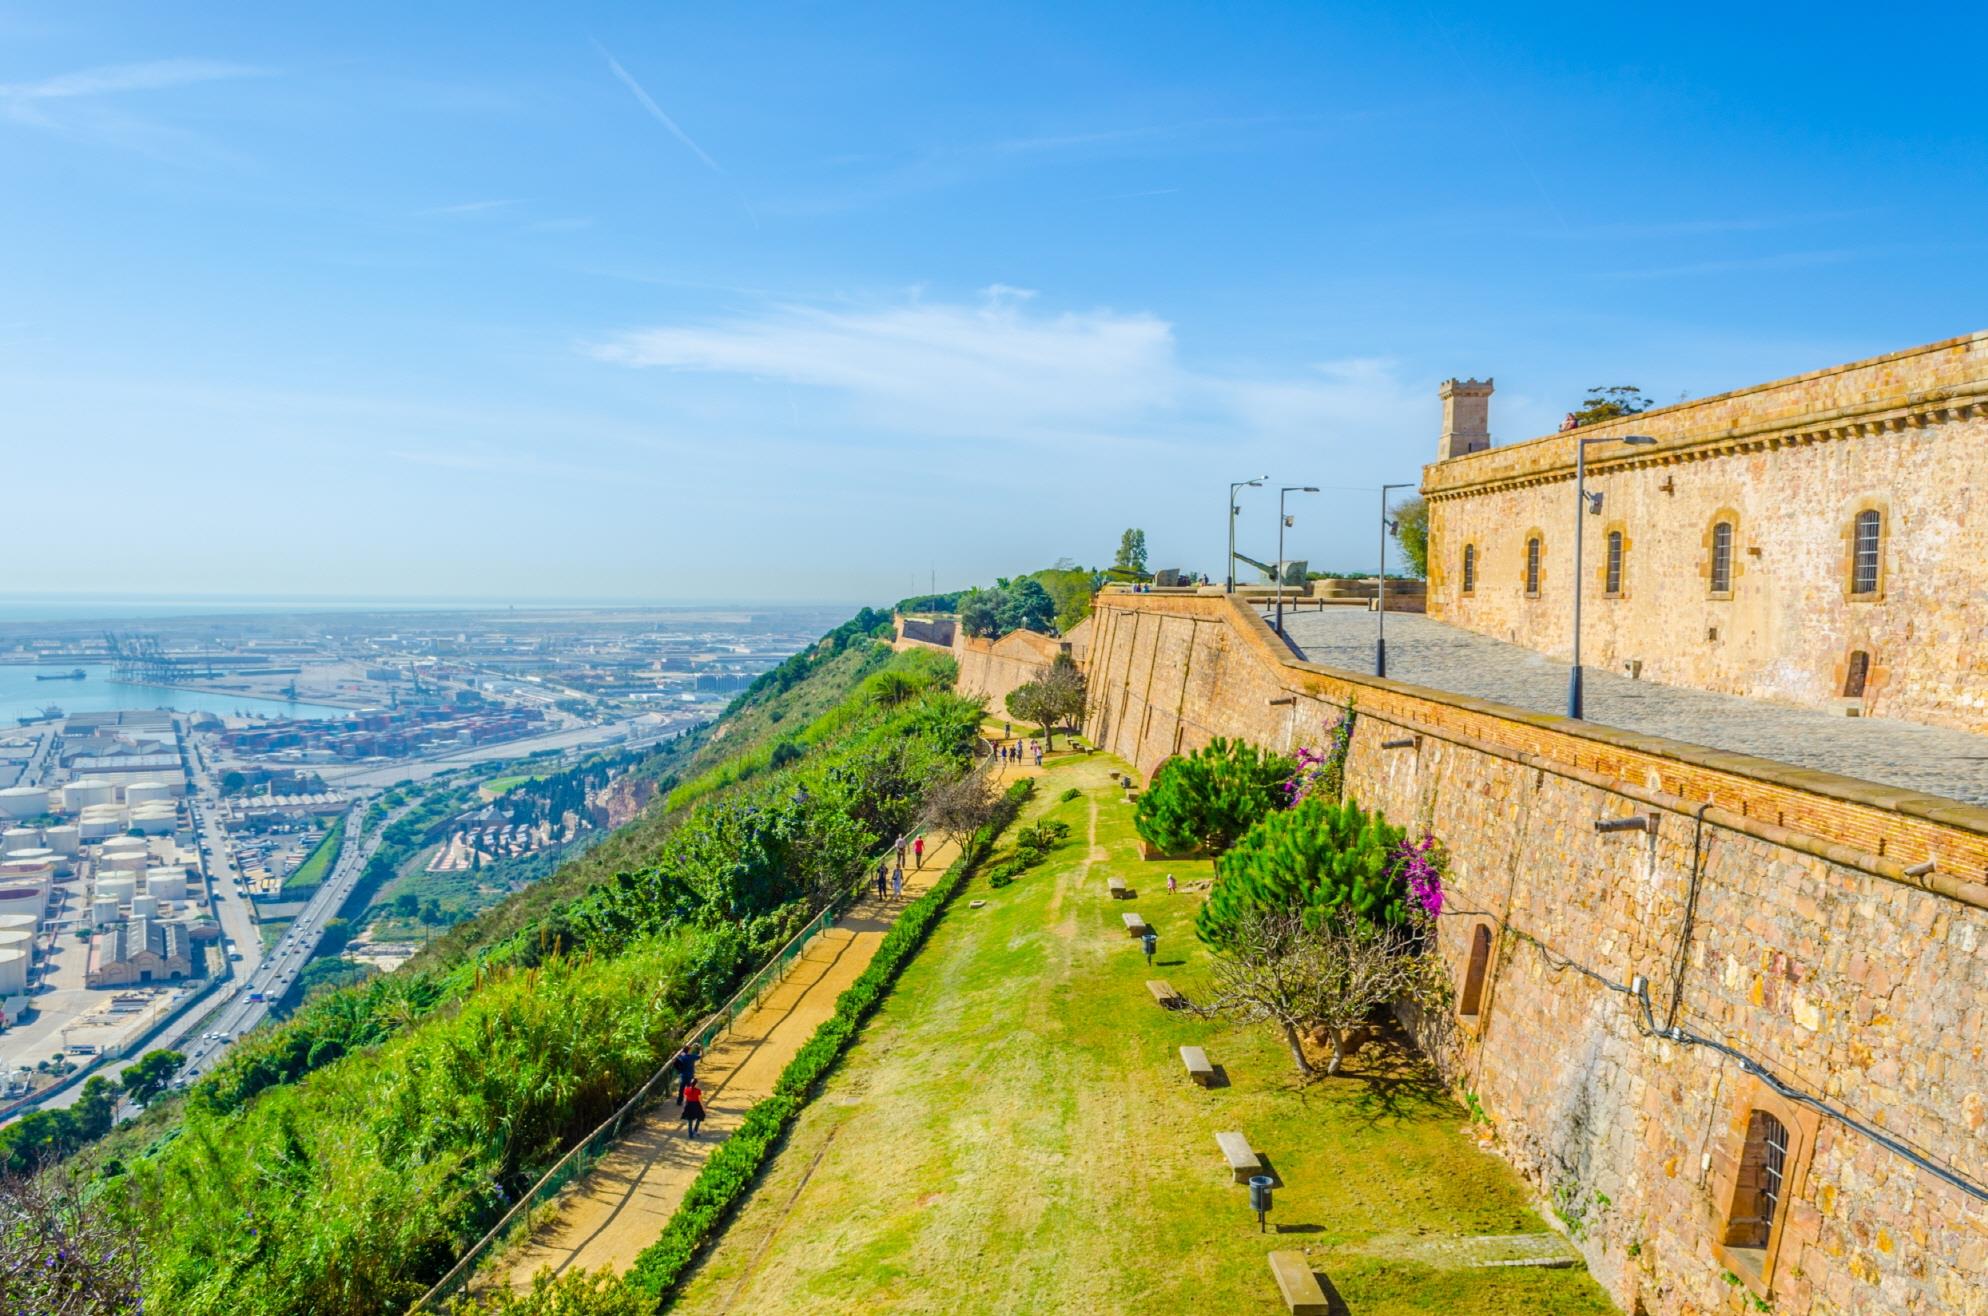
x=1000, y=369
x=151, y=75
x=656, y=112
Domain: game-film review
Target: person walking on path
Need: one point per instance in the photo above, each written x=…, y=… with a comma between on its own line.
x=1173, y=887
x=1151, y=941
x=1038, y=754
x=897, y=883
x=900, y=851
x=685, y=1065
x=883, y=872
x=918, y=850
x=693, y=1107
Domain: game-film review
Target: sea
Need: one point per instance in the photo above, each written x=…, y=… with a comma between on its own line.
x=21, y=695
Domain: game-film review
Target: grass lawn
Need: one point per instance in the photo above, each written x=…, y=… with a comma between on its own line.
x=497, y=786
x=316, y=864
x=1015, y=1132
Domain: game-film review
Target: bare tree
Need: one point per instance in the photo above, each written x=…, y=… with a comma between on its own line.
x=960, y=806
x=63, y=1252
x=1322, y=978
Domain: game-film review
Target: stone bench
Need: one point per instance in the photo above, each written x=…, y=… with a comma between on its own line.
x=1197, y=1064
x=1236, y=1151
x=1117, y=888
x=1164, y=993
x=1135, y=926
x=1298, y=1285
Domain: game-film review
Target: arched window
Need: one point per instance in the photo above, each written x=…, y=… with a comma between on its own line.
x=1866, y=538
x=1470, y=568
x=1474, y=971
x=1756, y=1210
x=1858, y=672
x=1532, y=567
x=1612, y=581
x=1722, y=558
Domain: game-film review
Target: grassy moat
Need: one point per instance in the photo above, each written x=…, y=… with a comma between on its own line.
x=1015, y=1132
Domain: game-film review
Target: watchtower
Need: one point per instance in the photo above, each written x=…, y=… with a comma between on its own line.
x=1466, y=417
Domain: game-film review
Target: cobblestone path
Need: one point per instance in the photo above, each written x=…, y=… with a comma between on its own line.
x=1420, y=651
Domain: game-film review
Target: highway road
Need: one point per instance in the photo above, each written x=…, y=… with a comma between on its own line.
x=277, y=973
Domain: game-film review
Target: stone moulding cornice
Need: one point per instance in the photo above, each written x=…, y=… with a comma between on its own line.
x=1720, y=426
x=1881, y=830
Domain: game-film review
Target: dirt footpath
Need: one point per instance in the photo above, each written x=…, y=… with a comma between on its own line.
x=607, y=1216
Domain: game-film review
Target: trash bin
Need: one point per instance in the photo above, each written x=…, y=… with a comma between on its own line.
x=1259, y=1198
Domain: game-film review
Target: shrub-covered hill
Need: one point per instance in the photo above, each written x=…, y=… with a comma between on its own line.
x=340, y=1162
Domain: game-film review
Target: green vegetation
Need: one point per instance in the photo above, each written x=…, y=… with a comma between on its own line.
x=1201, y=802
x=1608, y=403
x=311, y=873
x=505, y=785
x=1411, y=531
x=1056, y=698
x=338, y=1162
x=146, y=1077
x=1320, y=857
x=1131, y=559
x=1013, y=1132
x=732, y=1167
x=1011, y=605
x=46, y=1135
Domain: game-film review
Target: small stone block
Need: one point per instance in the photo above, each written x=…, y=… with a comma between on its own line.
x=1297, y=1284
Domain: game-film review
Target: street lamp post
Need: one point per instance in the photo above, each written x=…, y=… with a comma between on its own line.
x=1380, y=635
x=1282, y=521
x=1583, y=506
x=1230, y=572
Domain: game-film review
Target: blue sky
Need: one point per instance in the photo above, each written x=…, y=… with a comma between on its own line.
x=817, y=301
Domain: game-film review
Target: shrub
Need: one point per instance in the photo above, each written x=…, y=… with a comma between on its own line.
x=1069, y=795
x=579, y=1293
x=1043, y=836
x=1207, y=799
x=1322, y=858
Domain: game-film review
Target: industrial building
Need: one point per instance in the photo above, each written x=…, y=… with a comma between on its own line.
x=139, y=951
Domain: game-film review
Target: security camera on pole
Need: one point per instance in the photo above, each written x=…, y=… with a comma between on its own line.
x=1230, y=573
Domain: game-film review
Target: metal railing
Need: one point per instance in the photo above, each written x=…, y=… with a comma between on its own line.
x=586, y=1153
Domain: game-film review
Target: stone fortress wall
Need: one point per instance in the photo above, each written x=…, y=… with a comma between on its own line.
x=1780, y=912
x=987, y=667
x=1788, y=466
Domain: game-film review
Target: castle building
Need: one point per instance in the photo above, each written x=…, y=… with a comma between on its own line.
x=1818, y=540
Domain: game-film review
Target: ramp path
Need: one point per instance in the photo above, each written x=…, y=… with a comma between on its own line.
x=608, y=1215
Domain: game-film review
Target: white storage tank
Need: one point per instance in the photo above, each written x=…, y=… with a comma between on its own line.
x=127, y=845
x=24, y=898
x=19, y=838
x=147, y=792
x=13, y=972
x=23, y=801
x=86, y=791
x=15, y=922
x=103, y=911
x=120, y=885
x=15, y=870
x=17, y=939
x=144, y=906
x=152, y=820
x=101, y=821
x=166, y=883
x=64, y=840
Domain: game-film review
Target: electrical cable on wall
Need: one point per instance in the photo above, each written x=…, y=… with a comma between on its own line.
x=1638, y=990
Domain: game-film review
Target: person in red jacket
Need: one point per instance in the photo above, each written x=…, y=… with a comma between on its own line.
x=918, y=850
x=693, y=1106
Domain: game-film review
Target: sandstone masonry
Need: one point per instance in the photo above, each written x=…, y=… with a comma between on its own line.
x=1775, y=605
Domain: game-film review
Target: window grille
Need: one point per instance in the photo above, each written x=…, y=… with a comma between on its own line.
x=1614, y=578
x=1532, y=567
x=1722, y=558
x=1864, y=559
x=1469, y=568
